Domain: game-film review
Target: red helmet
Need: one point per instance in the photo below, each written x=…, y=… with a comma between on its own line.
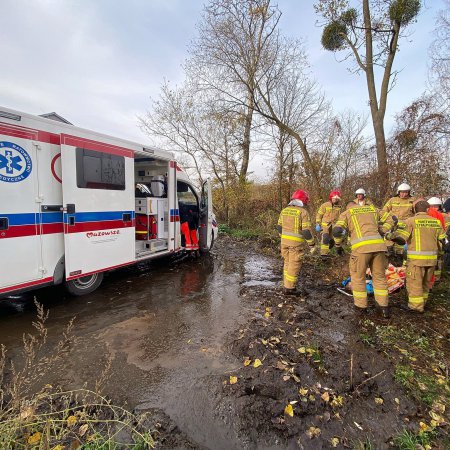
x=335, y=194
x=301, y=195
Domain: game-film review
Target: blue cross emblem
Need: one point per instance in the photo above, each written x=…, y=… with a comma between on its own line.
x=15, y=162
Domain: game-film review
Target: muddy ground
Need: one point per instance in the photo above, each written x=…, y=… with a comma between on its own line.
x=219, y=358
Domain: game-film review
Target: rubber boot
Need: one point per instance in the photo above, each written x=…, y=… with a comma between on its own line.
x=287, y=291
x=385, y=313
x=360, y=311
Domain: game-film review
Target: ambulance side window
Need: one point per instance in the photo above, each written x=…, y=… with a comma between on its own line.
x=98, y=170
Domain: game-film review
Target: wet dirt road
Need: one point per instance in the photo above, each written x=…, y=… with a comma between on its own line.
x=164, y=330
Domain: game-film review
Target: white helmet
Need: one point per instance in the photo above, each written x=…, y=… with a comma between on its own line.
x=360, y=191
x=434, y=201
x=404, y=187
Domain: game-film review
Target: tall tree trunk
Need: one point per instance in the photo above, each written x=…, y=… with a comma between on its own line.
x=377, y=115
x=246, y=141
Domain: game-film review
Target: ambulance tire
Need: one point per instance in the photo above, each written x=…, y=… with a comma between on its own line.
x=84, y=285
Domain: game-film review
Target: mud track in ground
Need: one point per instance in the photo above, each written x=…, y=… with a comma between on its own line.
x=183, y=340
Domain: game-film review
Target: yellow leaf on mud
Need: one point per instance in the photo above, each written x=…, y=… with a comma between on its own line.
x=48, y=386
x=233, y=380
x=439, y=407
x=71, y=421
x=289, y=410
x=58, y=447
x=257, y=363
x=325, y=397
x=396, y=400
x=313, y=432
x=303, y=391
x=247, y=362
x=312, y=398
x=301, y=350
x=267, y=314
x=337, y=401
x=434, y=424
x=334, y=442
x=423, y=427
x=379, y=400
x=263, y=341
x=440, y=379
x=268, y=308
x=26, y=413
x=34, y=438
x=310, y=351
x=422, y=386
x=435, y=416
x=83, y=429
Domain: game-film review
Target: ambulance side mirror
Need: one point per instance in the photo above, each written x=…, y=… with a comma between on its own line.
x=70, y=208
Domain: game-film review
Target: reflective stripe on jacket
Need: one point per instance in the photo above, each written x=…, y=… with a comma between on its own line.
x=362, y=225
x=294, y=219
x=400, y=207
x=328, y=214
x=422, y=233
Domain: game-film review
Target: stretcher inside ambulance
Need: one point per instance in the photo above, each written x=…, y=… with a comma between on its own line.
x=75, y=203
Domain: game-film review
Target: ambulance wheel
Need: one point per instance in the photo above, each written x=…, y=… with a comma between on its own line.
x=84, y=285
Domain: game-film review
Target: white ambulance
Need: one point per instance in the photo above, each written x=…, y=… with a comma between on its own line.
x=70, y=199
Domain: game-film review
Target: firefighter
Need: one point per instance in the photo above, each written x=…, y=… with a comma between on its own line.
x=294, y=226
x=361, y=198
x=435, y=210
x=400, y=208
x=423, y=234
x=368, y=251
x=326, y=217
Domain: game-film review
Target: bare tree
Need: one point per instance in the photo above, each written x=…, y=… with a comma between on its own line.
x=349, y=157
x=440, y=57
x=228, y=55
x=190, y=122
x=419, y=149
x=371, y=35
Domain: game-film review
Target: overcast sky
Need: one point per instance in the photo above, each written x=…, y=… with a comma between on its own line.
x=98, y=62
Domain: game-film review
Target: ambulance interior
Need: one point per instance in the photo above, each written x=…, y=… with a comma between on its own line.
x=151, y=205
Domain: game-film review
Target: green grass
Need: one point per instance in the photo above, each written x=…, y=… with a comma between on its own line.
x=239, y=233
x=407, y=440
x=364, y=445
x=421, y=387
x=367, y=339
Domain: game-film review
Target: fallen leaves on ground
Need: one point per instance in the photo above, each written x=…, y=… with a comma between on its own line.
x=233, y=380
x=257, y=363
x=34, y=438
x=289, y=410
x=313, y=432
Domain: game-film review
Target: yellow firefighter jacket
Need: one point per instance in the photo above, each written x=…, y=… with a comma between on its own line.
x=422, y=234
x=362, y=225
x=294, y=219
x=365, y=202
x=328, y=214
x=400, y=207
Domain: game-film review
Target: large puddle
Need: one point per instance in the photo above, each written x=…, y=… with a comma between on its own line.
x=164, y=328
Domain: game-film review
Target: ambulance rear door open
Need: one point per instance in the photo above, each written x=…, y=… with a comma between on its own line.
x=98, y=200
x=157, y=216
x=205, y=230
